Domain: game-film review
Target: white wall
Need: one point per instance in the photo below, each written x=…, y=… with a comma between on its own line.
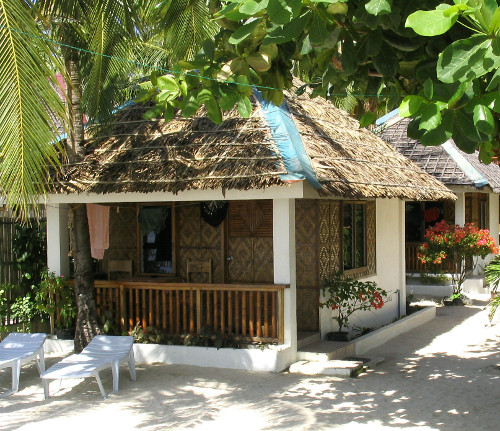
x=284, y=269
x=390, y=271
x=58, y=239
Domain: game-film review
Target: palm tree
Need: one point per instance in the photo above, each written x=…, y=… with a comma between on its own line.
x=92, y=43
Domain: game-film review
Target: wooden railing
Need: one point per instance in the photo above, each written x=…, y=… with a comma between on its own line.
x=251, y=311
x=413, y=264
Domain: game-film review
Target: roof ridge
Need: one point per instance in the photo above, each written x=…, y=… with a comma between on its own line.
x=470, y=171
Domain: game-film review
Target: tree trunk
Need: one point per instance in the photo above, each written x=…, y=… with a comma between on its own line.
x=87, y=324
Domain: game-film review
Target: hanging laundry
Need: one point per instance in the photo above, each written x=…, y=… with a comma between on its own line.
x=98, y=216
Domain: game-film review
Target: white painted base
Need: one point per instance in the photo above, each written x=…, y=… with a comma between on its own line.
x=386, y=333
x=438, y=291
x=273, y=359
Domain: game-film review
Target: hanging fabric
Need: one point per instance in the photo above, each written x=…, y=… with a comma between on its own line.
x=214, y=212
x=98, y=216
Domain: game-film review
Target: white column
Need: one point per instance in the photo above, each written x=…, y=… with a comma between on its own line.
x=494, y=216
x=460, y=208
x=284, y=262
x=58, y=239
x=493, y=222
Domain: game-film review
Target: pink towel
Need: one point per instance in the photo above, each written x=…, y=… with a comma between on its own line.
x=98, y=216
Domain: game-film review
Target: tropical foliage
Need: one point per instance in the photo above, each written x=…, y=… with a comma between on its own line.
x=458, y=244
x=345, y=296
x=375, y=51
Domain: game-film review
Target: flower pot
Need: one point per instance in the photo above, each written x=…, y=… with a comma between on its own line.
x=65, y=333
x=337, y=336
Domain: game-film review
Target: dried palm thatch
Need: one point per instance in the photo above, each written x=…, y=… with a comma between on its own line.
x=137, y=155
x=352, y=162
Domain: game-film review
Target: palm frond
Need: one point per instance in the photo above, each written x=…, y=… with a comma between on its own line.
x=187, y=24
x=111, y=65
x=30, y=106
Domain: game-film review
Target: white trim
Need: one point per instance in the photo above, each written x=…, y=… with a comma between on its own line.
x=294, y=190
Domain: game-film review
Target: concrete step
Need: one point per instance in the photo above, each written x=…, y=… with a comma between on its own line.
x=323, y=351
x=328, y=368
x=305, y=338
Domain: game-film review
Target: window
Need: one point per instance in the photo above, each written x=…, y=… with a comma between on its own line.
x=354, y=235
x=156, y=245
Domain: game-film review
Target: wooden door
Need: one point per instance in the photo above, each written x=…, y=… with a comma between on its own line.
x=250, y=242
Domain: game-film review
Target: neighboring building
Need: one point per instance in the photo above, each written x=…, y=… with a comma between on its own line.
x=476, y=185
x=254, y=212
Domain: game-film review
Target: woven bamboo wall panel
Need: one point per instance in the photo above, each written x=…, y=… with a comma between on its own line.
x=189, y=225
x=371, y=237
x=241, y=264
x=330, y=244
x=263, y=260
x=307, y=265
x=308, y=309
x=306, y=222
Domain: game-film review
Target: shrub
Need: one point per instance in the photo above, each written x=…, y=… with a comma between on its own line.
x=346, y=296
x=456, y=244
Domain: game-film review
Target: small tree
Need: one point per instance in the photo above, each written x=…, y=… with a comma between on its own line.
x=346, y=296
x=458, y=244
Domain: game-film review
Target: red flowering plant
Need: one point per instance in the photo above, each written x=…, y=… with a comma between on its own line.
x=458, y=245
x=346, y=296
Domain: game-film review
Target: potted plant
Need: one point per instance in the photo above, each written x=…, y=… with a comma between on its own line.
x=345, y=296
x=55, y=298
x=459, y=245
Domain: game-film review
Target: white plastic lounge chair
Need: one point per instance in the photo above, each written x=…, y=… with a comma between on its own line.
x=104, y=351
x=17, y=349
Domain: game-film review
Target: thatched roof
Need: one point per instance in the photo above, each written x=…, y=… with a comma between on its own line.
x=136, y=155
x=447, y=163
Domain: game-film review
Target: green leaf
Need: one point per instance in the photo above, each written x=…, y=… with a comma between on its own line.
x=386, y=62
x=209, y=48
x=430, y=117
x=228, y=99
x=189, y=106
x=455, y=98
x=441, y=133
x=317, y=31
x=464, y=123
x=244, y=31
x=206, y=97
x=428, y=89
x=495, y=23
x=491, y=100
x=378, y=7
x=410, y=105
x=283, y=11
x=169, y=113
x=467, y=59
x=167, y=82
x=251, y=7
x=289, y=31
x=154, y=112
x=483, y=119
x=494, y=82
x=244, y=107
x=367, y=118
x=373, y=43
x=430, y=23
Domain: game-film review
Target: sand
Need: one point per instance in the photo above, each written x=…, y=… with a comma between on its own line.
x=444, y=375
